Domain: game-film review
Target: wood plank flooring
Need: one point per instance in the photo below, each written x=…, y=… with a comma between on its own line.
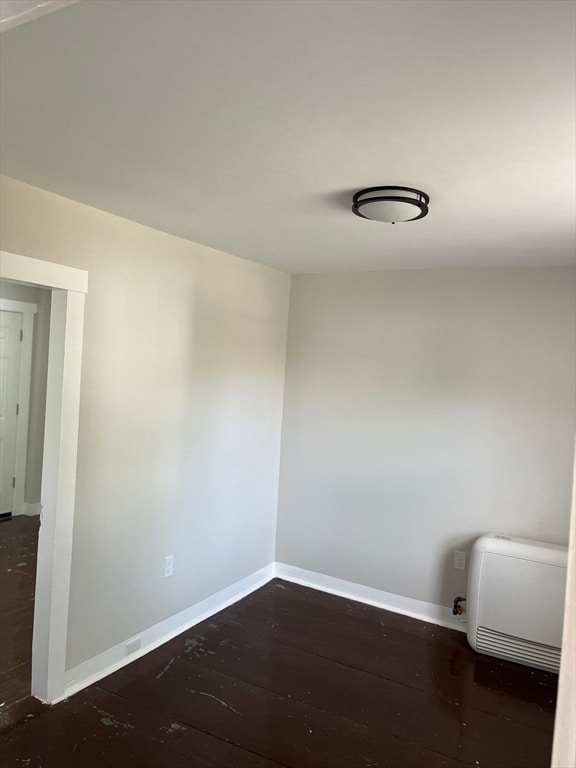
x=18, y=549
x=295, y=678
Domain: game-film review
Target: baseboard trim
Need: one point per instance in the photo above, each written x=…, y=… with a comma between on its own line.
x=109, y=661
x=103, y=664
x=30, y=509
x=417, y=609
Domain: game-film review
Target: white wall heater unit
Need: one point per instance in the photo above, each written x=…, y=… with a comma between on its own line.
x=515, y=601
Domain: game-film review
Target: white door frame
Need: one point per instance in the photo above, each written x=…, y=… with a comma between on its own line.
x=27, y=310
x=69, y=287
x=564, y=747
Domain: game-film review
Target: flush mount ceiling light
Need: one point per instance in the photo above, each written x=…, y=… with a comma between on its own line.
x=390, y=204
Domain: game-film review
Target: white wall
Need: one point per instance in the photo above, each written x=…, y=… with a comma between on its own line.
x=17, y=292
x=180, y=413
x=38, y=398
x=39, y=369
x=421, y=410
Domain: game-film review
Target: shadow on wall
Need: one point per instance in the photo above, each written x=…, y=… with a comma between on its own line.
x=227, y=356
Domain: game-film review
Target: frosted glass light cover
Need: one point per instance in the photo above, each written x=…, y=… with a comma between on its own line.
x=369, y=204
x=389, y=210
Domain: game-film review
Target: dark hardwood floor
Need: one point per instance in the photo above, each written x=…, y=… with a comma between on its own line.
x=292, y=677
x=18, y=549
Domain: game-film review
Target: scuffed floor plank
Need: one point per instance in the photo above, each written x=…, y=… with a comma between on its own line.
x=96, y=728
x=295, y=678
x=18, y=553
x=427, y=719
x=288, y=731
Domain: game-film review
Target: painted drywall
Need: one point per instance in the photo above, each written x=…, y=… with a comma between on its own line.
x=39, y=369
x=423, y=409
x=17, y=292
x=180, y=414
x=38, y=398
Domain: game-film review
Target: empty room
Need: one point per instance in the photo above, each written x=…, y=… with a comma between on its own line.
x=288, y=371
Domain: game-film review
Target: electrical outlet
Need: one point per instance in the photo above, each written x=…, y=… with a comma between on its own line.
x=168, y=566
x=132, y=646
x=460, y=560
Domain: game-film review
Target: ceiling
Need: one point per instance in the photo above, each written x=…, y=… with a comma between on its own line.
x=247, y=125
x=16, y=12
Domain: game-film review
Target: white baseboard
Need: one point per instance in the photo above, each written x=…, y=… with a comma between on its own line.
x=94, y=669
x=417, y=609
x=27, y=508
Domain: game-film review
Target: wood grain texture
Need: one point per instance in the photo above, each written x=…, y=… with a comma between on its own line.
x=296, y=678
x=18, y=550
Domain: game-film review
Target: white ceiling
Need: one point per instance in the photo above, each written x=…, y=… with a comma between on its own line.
x=16, y=12
x=247, y=125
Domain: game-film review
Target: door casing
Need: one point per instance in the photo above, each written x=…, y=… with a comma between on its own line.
x=69, y=286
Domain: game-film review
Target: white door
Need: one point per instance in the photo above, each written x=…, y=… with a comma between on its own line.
x=10, y=360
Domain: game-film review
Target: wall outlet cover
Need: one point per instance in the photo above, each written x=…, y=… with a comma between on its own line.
x=168, y=566
x=133, y=645
x=460, y=560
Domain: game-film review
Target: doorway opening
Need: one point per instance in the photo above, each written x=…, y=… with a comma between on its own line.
x=24, y=335
x=66, y=287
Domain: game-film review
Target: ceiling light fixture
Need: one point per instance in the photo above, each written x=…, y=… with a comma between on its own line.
x=390, y=204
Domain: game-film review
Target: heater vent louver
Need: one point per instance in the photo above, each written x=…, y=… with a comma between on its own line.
x=517, y=649
x=515, y=600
